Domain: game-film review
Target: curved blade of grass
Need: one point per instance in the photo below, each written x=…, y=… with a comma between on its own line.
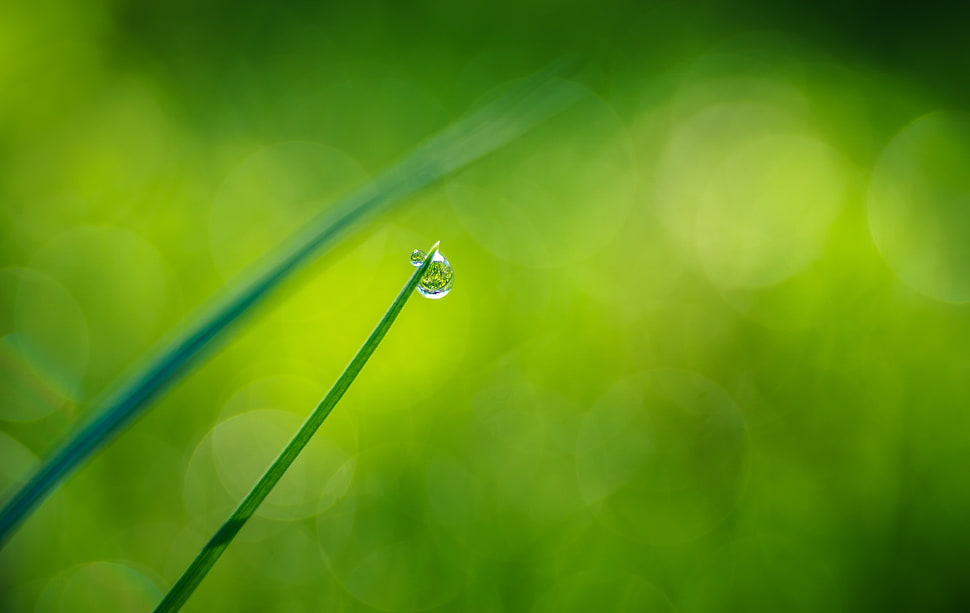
x=502, y=120
x=200, y=566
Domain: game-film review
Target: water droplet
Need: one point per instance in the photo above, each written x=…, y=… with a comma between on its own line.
x=438, y=279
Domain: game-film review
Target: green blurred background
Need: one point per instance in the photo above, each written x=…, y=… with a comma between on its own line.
x=706, y=350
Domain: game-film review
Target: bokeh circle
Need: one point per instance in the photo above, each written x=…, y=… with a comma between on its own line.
x=530, y=203
x=919, y=195
x=257, y=422
x=108, y=586
x=127, y=292
x=661, y=457
x=766, y=211
x=44, y=346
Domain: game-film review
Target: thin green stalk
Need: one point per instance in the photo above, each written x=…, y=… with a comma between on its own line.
x=204, y=561
x=481, y=132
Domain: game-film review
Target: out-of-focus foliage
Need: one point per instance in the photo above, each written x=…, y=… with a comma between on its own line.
x=706, y=348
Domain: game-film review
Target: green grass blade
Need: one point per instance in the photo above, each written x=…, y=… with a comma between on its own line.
x=203, y=562
x=493, y=125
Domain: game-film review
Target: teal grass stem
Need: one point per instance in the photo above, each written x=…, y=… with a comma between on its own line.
x=493, y=125
x=206, y=558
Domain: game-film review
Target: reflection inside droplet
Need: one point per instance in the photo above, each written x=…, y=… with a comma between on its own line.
x=438, y=279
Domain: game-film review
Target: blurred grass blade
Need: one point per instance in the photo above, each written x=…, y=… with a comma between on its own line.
x=482, y=131
x=200, y=566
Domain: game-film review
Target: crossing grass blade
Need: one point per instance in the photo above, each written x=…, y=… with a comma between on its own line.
x=204, y=561
x=482, y=131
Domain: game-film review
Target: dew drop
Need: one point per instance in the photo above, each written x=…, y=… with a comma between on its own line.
x=438, y=279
